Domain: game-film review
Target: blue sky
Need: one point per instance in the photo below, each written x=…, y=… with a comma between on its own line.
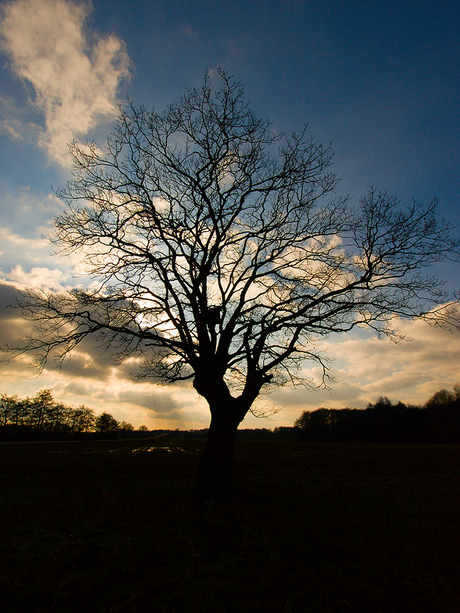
x=380, y=80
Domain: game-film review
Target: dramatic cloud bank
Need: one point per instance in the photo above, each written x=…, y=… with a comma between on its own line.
x=90, y=377
x=74, y=76
x=365, y=368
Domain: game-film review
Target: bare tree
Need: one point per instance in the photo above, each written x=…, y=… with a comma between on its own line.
x=106, y=423
x=8, y=409
x=126, y=426
x=83, y=419
x=222, y=255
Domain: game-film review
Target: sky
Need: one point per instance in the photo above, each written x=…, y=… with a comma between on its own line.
x=380, y=80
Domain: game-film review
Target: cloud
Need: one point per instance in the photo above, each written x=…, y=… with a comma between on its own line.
x=410, y=371
x=74, y=76
x=90, y=377
x=30, y=262
x=26, y=262
x=36, y=277
x=11, y=127
x=8, y=295
x=365, y=369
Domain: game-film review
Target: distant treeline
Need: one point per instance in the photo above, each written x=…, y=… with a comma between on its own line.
x=42, y=418
x=437, y=421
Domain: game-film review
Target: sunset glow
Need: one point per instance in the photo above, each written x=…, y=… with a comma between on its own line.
x=390, y=109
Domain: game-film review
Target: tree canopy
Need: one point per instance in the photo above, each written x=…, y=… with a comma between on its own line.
x=219, y=251
x=436, y=421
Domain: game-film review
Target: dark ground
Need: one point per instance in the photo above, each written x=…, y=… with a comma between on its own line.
x=323, y=528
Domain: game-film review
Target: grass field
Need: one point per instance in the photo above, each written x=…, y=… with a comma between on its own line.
x=112, y=527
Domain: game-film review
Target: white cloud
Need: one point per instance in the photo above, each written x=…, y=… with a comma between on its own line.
x=12, y=238
x=36, y=277
x=29, y=262
x=75, y=80
x=26, y=262
x=411, y=371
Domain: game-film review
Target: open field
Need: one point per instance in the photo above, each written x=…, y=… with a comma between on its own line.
x=111, y=527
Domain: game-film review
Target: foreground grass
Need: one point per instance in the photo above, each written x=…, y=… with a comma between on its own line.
x=321, y=528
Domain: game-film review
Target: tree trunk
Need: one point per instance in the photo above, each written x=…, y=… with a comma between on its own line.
x=214, y=480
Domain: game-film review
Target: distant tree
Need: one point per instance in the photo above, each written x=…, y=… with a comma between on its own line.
x=321, y=417
x=58, y=417
x=318, y=423
x=106, y=423
x=441, y=398
x=41, y=409
x=83, y=419
x=303, y=420
x=42, y=413
x=143, y=428
x=8, y=406
x=383, y=403
x=222, y=254
x=124, y=425
x=443, y=414
x=284, y=432
x=457, y=391
x=21, y=413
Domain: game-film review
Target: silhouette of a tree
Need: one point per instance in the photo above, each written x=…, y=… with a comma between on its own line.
x=440, y=398
x=8, y=409
x=106, y=423
x=126, y=426
x=82, y=419
x=221, y=255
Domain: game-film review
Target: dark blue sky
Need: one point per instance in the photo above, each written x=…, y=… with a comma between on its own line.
x=380, y=79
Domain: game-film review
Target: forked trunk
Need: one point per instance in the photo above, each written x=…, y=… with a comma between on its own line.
x=214, y=480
